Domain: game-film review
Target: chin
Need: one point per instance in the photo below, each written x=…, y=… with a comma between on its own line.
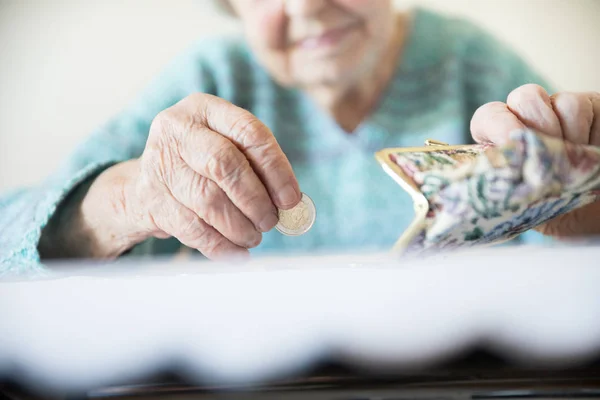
x=340, y=75
x=340, y=70
x=318, y=80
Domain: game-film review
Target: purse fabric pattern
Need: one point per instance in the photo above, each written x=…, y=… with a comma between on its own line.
x=484, y=194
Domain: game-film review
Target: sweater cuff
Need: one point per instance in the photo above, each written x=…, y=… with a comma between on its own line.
x=25, y=215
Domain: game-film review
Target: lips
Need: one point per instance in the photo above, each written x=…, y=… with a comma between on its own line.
x=328, y=38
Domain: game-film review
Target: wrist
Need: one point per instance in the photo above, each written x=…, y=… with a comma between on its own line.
x=110, y=211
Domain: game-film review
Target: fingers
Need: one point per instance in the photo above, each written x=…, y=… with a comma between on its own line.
x=575, y=113
x=575, y=117
x=209, y=202
x=256, y=142
x=183, y=224
x=595, y=127
x=213, y=156
x=584, y=221
x=493, y=123
x=222, y=170
x=533, y=106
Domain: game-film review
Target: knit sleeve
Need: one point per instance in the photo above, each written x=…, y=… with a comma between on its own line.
x=24, y=213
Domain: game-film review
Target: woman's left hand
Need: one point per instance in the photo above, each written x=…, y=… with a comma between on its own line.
x=575, y=117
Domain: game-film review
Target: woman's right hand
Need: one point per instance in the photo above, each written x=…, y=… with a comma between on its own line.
x=211, y=176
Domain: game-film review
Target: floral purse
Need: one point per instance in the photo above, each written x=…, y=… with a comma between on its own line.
x=474, y=195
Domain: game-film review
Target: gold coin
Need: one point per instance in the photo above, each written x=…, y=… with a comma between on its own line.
x=298, y=220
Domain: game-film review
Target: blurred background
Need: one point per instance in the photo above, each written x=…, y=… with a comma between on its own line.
x=68, y=65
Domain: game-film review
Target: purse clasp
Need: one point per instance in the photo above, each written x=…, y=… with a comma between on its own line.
x=433, y=142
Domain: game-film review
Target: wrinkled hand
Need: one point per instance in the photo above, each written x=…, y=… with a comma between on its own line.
x=575, y=117
x=211, y=176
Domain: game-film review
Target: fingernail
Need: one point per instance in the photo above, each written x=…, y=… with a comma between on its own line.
x=268, y=222
x=287, y=196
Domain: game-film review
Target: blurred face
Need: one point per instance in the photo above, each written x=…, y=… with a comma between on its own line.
x=310, y=43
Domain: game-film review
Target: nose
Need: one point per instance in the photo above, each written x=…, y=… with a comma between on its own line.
x=304, y=8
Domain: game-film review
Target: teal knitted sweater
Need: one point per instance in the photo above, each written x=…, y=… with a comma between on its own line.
x=448, y=69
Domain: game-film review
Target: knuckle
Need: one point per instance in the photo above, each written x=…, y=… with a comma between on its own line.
x=162, y=138
x=186, y=122
x=215, y=208
x=567, y=101
x=226, y=165
x=575, y=106
x=162, y=124
x=159, y=165
x=193, y=231
x=525, y=94
x=190, y=229
x=210, y=201
x=215, y=247
x=273, y=163
x=488, y=109
x=254, y=201
x=250, y=132
x=175, y=122
x=202, y=188
x=196, y=98
x=485, y=113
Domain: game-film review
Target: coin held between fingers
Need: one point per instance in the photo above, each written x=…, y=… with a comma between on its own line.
x=298, y=220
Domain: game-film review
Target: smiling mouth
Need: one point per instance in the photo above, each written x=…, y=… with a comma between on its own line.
x=330, y=38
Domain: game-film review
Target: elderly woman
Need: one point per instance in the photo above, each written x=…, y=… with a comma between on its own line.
x=236, y=128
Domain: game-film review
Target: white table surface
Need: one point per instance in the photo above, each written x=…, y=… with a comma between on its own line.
x=275, y=317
